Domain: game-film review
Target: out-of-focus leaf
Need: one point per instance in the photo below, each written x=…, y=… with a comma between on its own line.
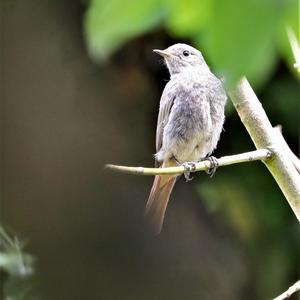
x=187, y=17
x=16, y=289
x=16, y=263
x=282, y=100
x=277, y=258
x=12, y=259
x=109, y=24
x=238, y=38
x=255, y=208
x=241, y=36
x=250, y=204
x=291, y=20
x=235, y=203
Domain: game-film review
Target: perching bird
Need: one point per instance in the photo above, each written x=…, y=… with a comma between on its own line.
x=190, y=121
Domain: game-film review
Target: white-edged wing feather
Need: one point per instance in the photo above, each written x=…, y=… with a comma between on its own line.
x=166, y=103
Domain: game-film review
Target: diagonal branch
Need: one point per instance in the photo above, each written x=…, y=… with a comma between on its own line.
x=261, y=154
x=291, y=290
x=264, y=135
x=295, y=160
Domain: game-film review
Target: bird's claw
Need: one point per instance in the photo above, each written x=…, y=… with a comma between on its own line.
x=188, y=168
x=213, y=166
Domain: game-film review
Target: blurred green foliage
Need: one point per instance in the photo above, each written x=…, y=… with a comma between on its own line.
x=111, y=23
x=255, y=210
x=16, y=267
x=238, y=38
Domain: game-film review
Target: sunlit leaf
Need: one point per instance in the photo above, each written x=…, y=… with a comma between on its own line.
x=109, y=24
x=241, y=37
x=16, y=263
x=12, y=259
x=291, y=20
x=238, y=38
x=187, y=17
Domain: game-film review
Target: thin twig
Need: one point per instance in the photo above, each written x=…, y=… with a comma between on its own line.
x=261, y=154
x=294, y=288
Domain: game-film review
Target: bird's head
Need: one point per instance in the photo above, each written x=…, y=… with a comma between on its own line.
x=181, y=57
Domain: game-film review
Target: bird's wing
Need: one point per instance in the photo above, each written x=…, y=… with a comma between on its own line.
x=166, y=103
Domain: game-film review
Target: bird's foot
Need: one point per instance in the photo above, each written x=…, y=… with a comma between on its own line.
x=213, y=166
x=188, y=168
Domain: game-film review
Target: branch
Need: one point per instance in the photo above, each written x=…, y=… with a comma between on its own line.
x=294, y=288
x=293, y=157
x=261, y=154
x=264, y=136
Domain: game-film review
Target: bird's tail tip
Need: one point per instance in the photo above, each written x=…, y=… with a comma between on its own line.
x=157, y=202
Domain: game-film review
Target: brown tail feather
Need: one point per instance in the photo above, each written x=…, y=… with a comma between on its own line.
x=158, y=201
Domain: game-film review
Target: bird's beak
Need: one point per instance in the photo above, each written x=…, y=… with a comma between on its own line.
x=162, y=53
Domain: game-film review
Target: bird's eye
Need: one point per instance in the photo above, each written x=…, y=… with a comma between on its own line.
x=186, y=53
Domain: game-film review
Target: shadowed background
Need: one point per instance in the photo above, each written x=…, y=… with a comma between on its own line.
x=65, y=112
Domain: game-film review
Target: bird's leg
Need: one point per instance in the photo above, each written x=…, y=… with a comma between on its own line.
x=188, y=168
x=213, y=166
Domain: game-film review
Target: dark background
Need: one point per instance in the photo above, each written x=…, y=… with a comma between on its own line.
x=63, y=117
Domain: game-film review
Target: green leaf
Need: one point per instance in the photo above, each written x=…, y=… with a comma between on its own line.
x=109, y=24
x=290, y=21
x=237, y=38
x=241, y=37
x=187, y=17
x=16, y=263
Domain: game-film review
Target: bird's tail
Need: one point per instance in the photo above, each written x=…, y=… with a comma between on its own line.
x=158, y=200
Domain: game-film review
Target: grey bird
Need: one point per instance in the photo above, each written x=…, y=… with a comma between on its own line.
x=190, y=121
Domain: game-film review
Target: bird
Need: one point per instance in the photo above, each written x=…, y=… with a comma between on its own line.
x=190, y=121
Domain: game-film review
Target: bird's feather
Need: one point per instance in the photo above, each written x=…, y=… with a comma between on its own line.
x=166, y=103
